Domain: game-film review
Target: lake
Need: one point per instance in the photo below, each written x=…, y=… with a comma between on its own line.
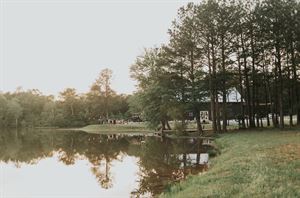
x=40, y=164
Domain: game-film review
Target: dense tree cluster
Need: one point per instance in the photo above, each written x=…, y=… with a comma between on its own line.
x=215, y=45
x=33, y=109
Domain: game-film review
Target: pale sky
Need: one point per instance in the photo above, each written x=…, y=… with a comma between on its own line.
x=54, y=44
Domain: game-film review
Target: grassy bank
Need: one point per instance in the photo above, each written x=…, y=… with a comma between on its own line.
x=116, y=128
x=251, y=164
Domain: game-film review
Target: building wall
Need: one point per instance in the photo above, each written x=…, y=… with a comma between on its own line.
x=233, y=109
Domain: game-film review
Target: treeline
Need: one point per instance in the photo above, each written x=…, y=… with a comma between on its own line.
x=33, y=109
x=216, y=45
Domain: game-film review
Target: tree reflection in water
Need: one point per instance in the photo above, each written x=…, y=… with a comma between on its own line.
x=160, y=162
x=163, y=163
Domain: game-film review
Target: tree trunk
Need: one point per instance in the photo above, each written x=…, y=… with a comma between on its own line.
x=295, y=83
x=211, y=91
x=248, y=96
x=280, y=95
x=289, y=92
x=199, y=143
x=254, y=112
x=275, y=98
x=241, y=92
x=72, y=110
x=218, y=114
x=270, y=100
x=224, y=95
x=163, y=125
x=266, y=92
x=199, y=126
x=195, y=108
x=258, y=109
x=215, y=93
x=168, y=125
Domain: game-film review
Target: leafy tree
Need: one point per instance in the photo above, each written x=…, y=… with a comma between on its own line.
x=14, y=110
x=155, y=95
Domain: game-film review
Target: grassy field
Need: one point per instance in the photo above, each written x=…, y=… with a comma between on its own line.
x=251, y=164
x=116, y=128
x=130, y=128
x=126, y=128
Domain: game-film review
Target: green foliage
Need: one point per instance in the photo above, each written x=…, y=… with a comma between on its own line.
x=32, y=109
x=155, y=95
x=217, y=45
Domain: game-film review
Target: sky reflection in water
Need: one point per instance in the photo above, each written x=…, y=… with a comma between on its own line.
x=75, y=164
x=51, y=178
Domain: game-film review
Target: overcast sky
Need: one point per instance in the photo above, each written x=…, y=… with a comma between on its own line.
x=54, y=44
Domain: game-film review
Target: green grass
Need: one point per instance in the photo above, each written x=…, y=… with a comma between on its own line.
x=207, y=126
x=116, y=128
x=251, y=164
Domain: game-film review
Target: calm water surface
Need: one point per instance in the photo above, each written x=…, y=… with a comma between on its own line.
x=44, y=164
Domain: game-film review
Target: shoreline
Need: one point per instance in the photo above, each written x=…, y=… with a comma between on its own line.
x=255, y=164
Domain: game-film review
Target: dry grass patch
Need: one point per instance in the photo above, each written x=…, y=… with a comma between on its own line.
x=286, y=152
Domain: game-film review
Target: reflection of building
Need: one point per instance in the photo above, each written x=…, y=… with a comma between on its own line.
x=195, y=158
